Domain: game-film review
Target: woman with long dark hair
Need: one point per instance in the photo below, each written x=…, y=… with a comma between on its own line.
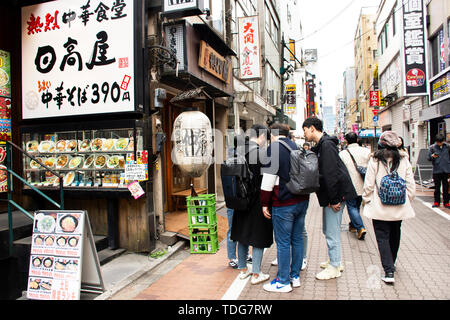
x=387, y=218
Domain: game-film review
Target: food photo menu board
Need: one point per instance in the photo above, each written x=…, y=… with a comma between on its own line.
x=58, y=241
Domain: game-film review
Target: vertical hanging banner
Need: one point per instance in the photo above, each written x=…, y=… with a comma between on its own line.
x=249, y=48
x=291, y=102
x=63, y=258
x=78, y=58
x=415, y=80
x=5, y=112
x=374, y=98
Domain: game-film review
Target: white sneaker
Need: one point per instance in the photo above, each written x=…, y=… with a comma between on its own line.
x=261, y=278
x=244, y=274
x=275, y=286
x=295, y=282
x=325, y=265
x=304, y=264
x=275, y=262
x=329, y=272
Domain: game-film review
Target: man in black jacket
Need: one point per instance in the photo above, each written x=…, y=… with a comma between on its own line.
x=335, y=188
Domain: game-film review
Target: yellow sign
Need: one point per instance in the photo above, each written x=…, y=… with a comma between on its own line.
x=290, y=87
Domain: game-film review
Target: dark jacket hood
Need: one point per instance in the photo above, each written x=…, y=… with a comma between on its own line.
x=324, y=138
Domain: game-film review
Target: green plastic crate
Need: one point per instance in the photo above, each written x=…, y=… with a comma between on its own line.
x=201, y=210
x=204, y=242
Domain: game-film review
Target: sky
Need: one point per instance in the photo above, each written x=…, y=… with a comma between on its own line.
x=333, y=40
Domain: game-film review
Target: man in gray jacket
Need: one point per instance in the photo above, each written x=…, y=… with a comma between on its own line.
x=439, y=155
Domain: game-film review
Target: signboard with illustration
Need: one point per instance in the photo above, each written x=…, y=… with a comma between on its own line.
x=63, y=256
x=78, y=58
x=5, y=112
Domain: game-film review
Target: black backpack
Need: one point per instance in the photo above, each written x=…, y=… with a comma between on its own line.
x=304, y=171
x=236, y=182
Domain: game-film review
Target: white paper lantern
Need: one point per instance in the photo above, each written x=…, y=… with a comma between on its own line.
x=192, y=137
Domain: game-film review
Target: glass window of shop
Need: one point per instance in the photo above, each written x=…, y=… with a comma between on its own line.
x=435, y=53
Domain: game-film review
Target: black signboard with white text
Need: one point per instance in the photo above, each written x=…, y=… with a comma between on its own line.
x=415, y=77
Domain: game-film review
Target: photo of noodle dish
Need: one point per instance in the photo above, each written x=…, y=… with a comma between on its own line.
x=46, y=224
x=113, y=162
x=50, y=162
x=61, y=241
x=68, y=223
x=46, y=146
x=75, y=162
x=68, y=178
x=34, y=164
x=89, y=161
x=121, y=144
x=108, y=144
x=39, y=240
x=62, y=161
x=100, y=161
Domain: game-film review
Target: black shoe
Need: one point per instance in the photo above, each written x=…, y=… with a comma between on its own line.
x=388, y=278
x=233, y=264
x=249, y=259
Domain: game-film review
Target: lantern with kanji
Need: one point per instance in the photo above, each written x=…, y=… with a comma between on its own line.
x=192, y=137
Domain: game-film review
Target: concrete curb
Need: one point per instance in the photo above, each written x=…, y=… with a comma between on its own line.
x=135, y=276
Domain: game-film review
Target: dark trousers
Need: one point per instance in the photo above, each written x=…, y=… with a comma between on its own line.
x=439, y=178
x=388, y=239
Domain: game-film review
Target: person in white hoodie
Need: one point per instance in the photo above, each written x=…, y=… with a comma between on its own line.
x=359, y=155
x=387, y=219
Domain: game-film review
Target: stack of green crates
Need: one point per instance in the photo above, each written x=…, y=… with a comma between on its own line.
x=202, y=223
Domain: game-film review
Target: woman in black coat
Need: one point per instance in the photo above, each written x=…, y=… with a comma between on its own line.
x=250, y=227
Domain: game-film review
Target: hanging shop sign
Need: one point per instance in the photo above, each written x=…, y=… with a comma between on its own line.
x=249, y=48
x=214, y=63
x=414, y=48
x=63, y=258
x=175, y=39
x=79, y=57
x=192, y=137
x=440, y=87
x=291, y=101
x=374, y=97
x=182, y=8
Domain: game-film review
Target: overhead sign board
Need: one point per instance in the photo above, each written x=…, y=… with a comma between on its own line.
x=211, y=61
x=182, y=8
x=78, y=58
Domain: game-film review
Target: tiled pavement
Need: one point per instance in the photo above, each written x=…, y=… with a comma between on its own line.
x=424, y=251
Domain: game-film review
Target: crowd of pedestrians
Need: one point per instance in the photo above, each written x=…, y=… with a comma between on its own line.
x=379, y=185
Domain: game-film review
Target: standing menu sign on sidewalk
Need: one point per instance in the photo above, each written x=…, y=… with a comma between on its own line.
x=63, y=259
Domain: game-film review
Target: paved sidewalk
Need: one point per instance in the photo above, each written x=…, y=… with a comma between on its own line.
x=424, y=250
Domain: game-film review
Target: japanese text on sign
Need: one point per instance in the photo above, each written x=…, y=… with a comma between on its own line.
x=67, y=49
x=249, y=48
x=414, y=47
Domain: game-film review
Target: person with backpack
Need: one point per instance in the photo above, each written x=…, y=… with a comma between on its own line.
x=249, y=227
x=355, y=159
x=287, y=212
x=389, y=189
x=335, y=189
x=439, y=155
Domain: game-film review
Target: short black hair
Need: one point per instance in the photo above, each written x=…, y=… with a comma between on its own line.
x=440, y=137
x=306, y=144
x=258, y=129
x=313, y=121
x=280, y=129
x=351, y=137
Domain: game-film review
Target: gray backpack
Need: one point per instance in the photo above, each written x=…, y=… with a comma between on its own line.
x=304, y=171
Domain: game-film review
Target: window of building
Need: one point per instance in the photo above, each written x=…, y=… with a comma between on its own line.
x=271, y=25
x=393, y=20
x=381, y=42
x=448, y=37
x=435, y=53
x=386, y=34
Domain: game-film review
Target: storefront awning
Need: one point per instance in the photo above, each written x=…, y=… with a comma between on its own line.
x=369, y=133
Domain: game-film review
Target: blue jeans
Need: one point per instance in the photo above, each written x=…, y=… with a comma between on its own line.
x=305, y=241
x=353, y=208
x=257, y=255
x=288, y=225
x=231, y=245
x=331, y=227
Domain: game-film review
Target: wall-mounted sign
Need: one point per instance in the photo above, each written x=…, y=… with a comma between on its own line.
x=310, y=55
x=182, y=8
x=214, y=63
x=440, y=88
x=175, y=40
x=249, y=48
x=415, y=80
x=78, y=58
x=291, y=101
x=374, y=98
x=63, y=258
